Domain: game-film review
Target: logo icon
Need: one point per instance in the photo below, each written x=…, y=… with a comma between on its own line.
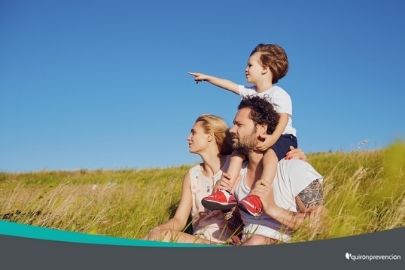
x=347, y=255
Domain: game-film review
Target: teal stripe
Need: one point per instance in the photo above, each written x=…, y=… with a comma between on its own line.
x=35, y=232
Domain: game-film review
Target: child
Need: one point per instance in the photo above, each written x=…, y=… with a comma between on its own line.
x=266, y=65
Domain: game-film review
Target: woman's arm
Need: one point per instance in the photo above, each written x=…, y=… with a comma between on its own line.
x=179, y=221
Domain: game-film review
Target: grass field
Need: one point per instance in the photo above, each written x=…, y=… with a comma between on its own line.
x=364, y=192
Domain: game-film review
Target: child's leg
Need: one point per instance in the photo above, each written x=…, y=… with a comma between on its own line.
x=270, y=161
x=252, y=203
x=229, y=178
x=222, y=197
x=282, y=145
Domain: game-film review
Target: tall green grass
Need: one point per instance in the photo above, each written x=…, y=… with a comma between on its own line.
x=125, y=203
x=364, y=192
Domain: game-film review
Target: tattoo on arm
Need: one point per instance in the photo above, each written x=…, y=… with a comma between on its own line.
x=312, y=195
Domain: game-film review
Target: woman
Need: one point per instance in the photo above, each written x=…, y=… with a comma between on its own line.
x=208, y=138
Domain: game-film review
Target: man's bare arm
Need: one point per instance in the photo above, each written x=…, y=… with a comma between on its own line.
x=309, y=202
x=310, y=196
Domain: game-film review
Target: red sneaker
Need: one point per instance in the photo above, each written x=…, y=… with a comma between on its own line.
x=219, y=200
x=252, y=205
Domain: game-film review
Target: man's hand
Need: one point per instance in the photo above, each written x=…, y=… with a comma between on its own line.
x=265, y=191
x=224, y=183
x=296, y=153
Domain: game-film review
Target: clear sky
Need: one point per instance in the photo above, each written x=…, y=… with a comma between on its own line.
x=104, y=84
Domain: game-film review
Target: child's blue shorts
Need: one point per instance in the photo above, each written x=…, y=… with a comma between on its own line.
x=282, y=146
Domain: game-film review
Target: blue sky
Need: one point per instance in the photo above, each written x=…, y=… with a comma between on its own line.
x=104, y=84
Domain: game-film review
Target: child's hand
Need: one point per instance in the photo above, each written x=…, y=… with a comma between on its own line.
x=199, y=77
x=267, y=142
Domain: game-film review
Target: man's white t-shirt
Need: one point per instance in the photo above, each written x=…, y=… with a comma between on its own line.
x=277, y=97
x=292, y=177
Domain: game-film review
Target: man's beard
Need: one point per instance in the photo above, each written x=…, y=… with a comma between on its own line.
x=245, y=144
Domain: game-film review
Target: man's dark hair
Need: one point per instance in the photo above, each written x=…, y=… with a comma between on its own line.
x=262, y=112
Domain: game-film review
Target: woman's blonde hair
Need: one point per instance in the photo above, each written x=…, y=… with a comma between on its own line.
x=216, y=126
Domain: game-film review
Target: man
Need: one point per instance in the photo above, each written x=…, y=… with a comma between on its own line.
x=296, y=191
